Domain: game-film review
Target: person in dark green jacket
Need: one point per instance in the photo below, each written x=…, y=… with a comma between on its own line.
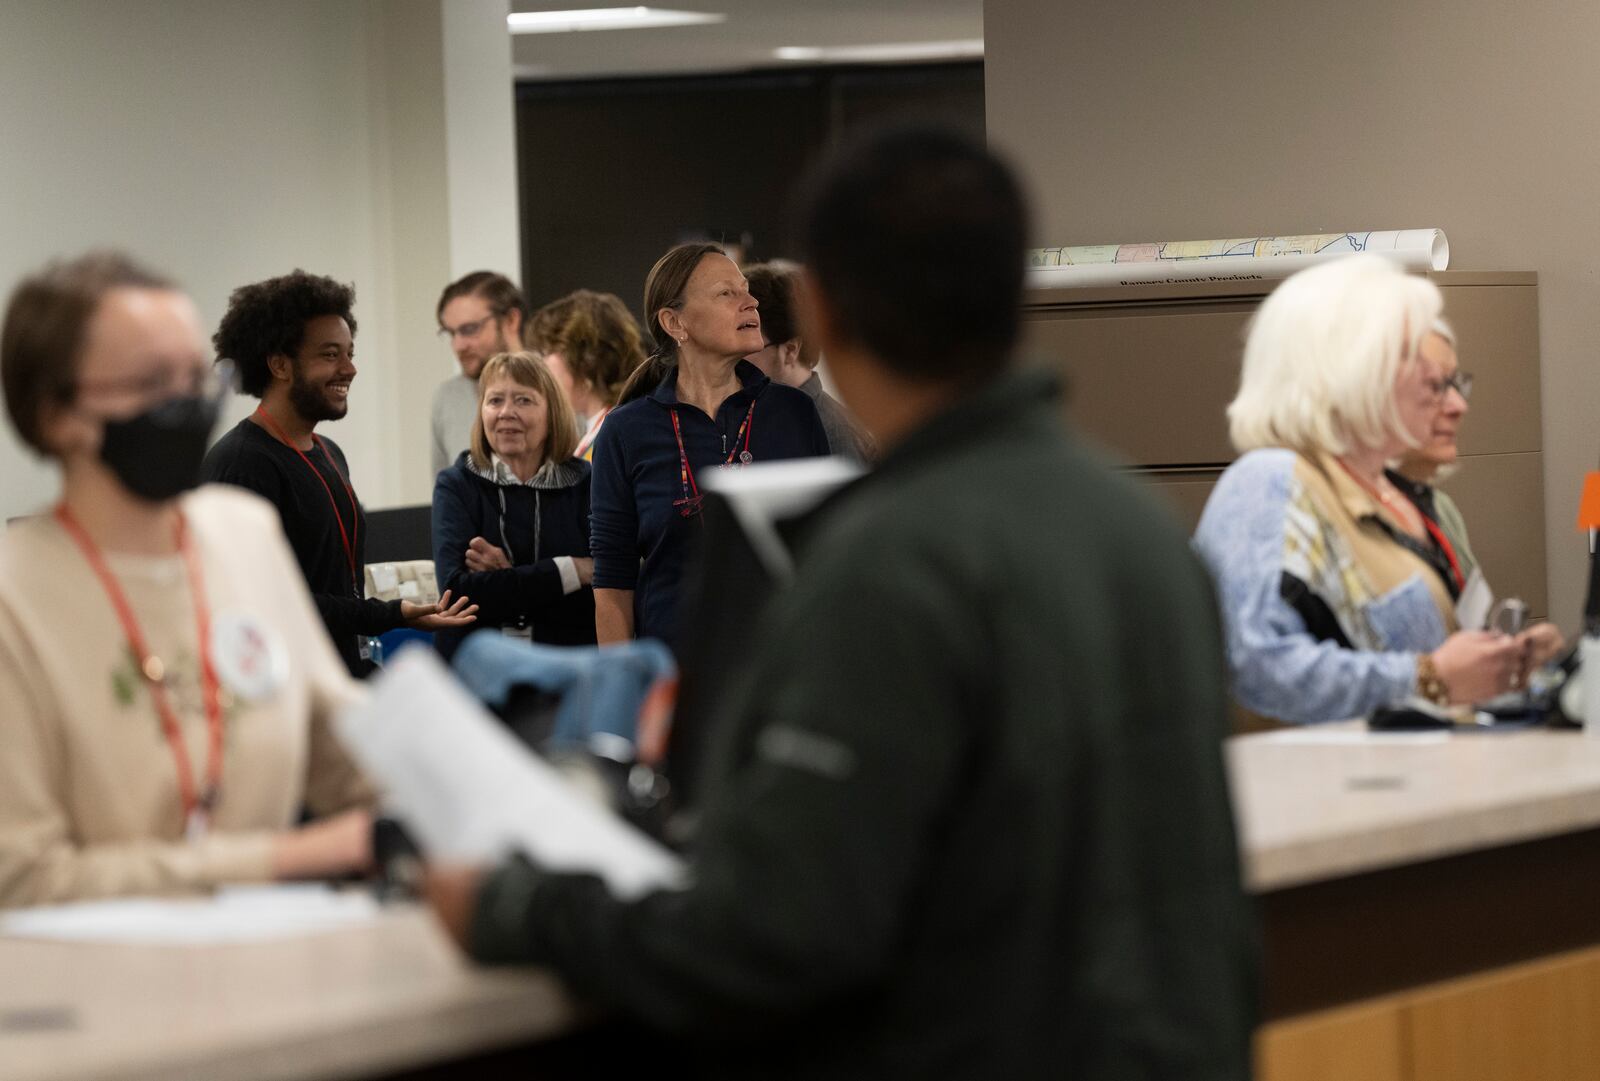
x=964, y=813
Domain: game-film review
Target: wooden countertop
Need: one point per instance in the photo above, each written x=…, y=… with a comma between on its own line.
x=1334, y=801
x=355, y=1002
x=1312, y=804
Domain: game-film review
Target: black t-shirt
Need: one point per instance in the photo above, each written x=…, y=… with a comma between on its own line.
x=251, y=457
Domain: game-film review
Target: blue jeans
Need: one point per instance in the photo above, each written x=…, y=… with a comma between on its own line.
x=601, y=687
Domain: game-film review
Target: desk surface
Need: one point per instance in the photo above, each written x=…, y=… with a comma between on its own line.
x=1311, y=809
x=1312, y=805
x=352, y=1003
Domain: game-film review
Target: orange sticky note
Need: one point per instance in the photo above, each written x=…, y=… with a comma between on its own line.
x=1589, y=505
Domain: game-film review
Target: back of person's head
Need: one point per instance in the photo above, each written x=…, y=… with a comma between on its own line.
x=527, y=370
x=915, y=238
x=496, y=290
x=268, y=318
x=46, y=324
x=664, y=288
x=773, y=285
x=596, y=337
x=1322, y=355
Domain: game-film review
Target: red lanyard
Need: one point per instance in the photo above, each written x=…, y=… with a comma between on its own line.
x=689, y=505
x=197, y=805
x=345, y=538
x=1429, y=524
x=1446, y=547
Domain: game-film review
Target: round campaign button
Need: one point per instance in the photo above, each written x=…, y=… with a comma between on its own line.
x=250, y=658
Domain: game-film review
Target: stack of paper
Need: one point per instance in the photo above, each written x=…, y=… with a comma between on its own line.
x=235, y=914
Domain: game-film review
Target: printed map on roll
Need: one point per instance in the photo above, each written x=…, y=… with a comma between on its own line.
x=1235, y=259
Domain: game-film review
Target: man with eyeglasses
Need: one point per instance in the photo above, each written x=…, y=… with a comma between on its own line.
x=479, y=315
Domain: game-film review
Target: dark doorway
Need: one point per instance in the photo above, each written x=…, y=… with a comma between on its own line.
x=613, y=172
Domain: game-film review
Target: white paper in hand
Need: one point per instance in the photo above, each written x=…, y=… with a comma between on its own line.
x=1472, y=610
x=470, y=792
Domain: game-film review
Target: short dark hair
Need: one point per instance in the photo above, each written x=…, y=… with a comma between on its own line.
x=916, y=239
x=497, y=291
x=773, y=285
x=269, y=319
x=46, y=321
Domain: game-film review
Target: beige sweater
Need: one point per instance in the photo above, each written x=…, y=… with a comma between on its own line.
x=89, y=795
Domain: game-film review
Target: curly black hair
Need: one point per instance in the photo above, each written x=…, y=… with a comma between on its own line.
x=269, y=318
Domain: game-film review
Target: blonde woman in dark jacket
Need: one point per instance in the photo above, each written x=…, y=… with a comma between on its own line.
x=511, y=516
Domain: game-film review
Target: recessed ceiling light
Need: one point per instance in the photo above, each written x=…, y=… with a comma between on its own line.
x=632, y=18
x=910, y=50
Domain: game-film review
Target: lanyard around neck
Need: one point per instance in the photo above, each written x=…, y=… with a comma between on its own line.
x=586, y=444
x=197, y=803
x=1446, y=547
x=689, y=505
x=1428, y=524
x=346, y=538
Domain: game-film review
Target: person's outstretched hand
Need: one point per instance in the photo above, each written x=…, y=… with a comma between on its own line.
x=439, y=617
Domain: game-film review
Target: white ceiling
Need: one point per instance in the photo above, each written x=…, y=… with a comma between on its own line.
x=754, y=28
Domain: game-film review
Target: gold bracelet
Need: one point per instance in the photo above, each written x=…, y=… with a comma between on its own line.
x=1429, y=685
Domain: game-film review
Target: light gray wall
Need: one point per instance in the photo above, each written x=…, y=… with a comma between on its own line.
x=411, y=198
x=481, y=151
x=1145, y=121
x=224, y=141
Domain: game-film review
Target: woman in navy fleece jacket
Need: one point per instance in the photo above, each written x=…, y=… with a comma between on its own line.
x=694, y=406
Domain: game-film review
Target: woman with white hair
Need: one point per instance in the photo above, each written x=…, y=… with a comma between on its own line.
x=1421, y=467
x=1338, y=595
x=1433, y=459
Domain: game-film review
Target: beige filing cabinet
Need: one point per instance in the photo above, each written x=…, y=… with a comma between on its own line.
x=1150, y=369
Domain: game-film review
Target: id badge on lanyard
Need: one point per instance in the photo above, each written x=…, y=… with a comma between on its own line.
x=196, y=824
x=368, y=647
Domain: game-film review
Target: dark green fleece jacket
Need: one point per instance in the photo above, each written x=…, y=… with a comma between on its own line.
x=965, y=813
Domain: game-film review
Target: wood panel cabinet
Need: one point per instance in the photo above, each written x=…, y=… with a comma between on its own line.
x=1360, y=1043
x=1540, y=1020
x=1536, y=1020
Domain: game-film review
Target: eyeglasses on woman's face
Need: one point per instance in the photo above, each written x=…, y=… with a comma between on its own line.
x=159, y=382
x=1460, y=382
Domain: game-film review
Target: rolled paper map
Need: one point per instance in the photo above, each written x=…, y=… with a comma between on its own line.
x=1236, y=259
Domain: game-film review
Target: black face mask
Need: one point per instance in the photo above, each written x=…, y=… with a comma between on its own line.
x=157, y=454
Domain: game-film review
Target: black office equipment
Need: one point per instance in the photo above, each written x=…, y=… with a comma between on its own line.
x=740, y=563
x=397, y=534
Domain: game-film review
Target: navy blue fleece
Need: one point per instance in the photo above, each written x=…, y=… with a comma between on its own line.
x=636, y=481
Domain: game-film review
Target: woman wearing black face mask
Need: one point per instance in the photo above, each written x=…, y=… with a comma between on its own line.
x=166, y=684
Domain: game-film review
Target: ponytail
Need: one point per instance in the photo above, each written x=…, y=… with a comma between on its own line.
x=663, y=288
x=647, y=377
